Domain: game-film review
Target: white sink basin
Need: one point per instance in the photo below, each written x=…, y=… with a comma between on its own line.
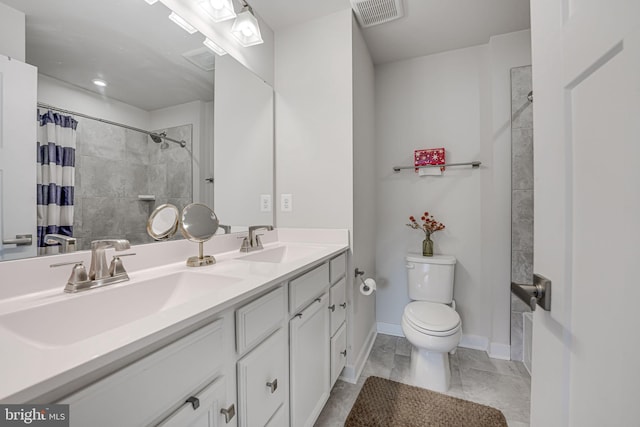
x=80, y=316
x=281, y=254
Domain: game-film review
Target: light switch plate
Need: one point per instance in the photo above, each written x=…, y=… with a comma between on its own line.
x=265, y=203
x=286, y=203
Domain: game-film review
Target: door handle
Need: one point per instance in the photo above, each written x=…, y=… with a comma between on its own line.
x=20, y=240
x=537, y=294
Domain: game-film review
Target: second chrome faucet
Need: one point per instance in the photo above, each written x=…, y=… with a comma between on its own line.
x=252, y=241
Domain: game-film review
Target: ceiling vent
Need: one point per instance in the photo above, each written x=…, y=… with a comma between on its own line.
x=202, y=58
x=375, y=12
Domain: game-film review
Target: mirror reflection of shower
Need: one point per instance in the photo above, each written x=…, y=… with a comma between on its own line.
x=162, y=139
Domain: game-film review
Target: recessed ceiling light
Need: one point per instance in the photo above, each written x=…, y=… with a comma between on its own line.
x=151, y=1
x=218, y=10
x=182, y=23
x=99, y=82
x=214, y=47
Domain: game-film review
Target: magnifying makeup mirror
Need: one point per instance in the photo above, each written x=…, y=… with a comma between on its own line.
x=163, y=222
x=198, y=224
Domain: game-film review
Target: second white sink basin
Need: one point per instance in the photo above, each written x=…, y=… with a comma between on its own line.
x=81, y=316
x=281, y=254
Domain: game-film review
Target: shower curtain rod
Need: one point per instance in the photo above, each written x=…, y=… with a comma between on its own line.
x=109, y=122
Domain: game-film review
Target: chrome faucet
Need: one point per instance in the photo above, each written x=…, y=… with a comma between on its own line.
x=252, y=241
x=100, y=274
x=67, y=243
x=99, y=268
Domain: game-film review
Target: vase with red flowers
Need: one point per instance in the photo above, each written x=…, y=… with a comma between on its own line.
x=429, y=226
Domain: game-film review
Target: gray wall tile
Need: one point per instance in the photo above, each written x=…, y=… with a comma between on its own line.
x=522, y=159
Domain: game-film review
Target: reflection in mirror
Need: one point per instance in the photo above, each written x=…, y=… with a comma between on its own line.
x=159, y=79
x=198, y=224
x=163, y=222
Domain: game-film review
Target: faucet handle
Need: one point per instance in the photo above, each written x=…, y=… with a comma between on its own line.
x=78, y=273
x=116, y=267
x=117, y=244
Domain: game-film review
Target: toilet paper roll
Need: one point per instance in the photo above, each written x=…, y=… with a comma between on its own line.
x=368, y=286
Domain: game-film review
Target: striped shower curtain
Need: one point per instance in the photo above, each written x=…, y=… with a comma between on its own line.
x=55, y=174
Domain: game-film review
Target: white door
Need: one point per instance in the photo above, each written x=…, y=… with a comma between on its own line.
x=586, y=89
x=18, y=86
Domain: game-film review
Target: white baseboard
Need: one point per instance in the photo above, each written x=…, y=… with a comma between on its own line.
x=475, y=342
x=499, y=351
x=390, y=329
x=351, y=373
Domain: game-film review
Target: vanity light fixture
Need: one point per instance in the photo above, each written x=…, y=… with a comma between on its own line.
x=99, y=82
x=181, y=22
x=151, y=1
x=214, y=47
x=218, y=10
x=246, y=28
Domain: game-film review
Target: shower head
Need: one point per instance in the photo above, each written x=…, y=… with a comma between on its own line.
x=157, y=137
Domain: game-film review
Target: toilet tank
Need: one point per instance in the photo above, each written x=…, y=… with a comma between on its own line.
x=430, y=278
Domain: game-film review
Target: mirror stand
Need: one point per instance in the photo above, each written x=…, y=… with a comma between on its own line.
x=201, y=260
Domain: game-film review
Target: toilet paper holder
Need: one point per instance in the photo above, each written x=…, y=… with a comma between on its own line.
x=359, y=273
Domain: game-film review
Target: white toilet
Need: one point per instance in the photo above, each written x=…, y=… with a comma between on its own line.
x=430, y=321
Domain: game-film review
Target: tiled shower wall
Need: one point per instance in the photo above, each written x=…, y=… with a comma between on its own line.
x=114, y=166
x=521, y=198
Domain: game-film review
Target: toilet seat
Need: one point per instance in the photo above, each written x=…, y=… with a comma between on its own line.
x=432, y=318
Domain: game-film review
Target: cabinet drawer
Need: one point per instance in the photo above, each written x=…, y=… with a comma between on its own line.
x=262, y=381
x=144, y=390
x=256, y=320
x=338, y=267
x=338, y=304
x=308, y=286
x=338, y=353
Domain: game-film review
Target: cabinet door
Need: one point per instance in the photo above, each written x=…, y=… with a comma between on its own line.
x=262, y=381
x=310, y=362
x=338, y=305
x=202, y=409
x=338, y=353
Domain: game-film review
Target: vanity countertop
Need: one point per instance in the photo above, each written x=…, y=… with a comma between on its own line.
x=44, y=349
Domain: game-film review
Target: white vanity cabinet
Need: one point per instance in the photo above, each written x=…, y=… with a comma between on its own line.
x=150, y=388
x=263, y=370
x=338, y=314
x=310, y=363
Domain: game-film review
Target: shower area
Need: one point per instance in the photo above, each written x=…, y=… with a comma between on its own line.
x=521, y=208
x=122, y=175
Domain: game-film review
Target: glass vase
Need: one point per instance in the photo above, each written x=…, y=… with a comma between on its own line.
x=427, y=247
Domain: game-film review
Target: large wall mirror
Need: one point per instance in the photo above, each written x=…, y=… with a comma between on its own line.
x=211, y=119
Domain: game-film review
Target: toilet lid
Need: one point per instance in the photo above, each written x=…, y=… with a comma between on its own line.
x=431, y=317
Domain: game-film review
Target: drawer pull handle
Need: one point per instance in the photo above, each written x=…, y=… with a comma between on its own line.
x=318, y=299
x=332, y=307
x=344, y=352
x=344, y=305
x=228, y=413
x=195, y=402
x=273, y=385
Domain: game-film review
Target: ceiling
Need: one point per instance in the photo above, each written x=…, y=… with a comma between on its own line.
x=428, y=26
x=131, y=45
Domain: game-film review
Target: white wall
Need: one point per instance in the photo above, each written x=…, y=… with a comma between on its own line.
x=12, y=33
x=243, y=151
x=459, y=100
x=362, y=320
x=324, y=118
x=428, y=102
x=63, y=95
x=314, y=128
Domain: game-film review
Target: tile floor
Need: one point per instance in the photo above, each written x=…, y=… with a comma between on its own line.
x=501, y=384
